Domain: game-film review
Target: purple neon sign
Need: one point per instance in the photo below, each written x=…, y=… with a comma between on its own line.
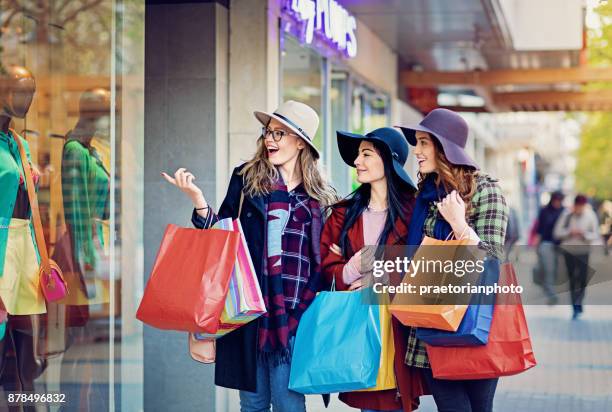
x=327, y=20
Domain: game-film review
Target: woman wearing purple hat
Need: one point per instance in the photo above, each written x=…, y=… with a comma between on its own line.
x=453, y=197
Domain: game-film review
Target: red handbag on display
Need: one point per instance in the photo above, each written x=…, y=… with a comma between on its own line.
x=508, y=351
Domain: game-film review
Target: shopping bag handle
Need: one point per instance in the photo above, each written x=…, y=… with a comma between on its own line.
x=240, y=204
x=452, y=234
x=32, y=198
x=375, y=324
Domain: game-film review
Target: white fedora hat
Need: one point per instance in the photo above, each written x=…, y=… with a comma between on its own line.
x=299, y=117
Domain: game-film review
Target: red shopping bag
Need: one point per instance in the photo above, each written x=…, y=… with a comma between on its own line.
x=508, y=351
x=189, y=280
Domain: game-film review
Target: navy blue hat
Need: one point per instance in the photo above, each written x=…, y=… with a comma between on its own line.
x=348, y=145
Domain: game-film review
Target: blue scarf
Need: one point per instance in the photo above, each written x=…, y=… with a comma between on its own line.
x=428, y=194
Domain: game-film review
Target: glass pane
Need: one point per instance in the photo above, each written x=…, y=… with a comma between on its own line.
x=302, y=79
x=71, y=120
x=339, y=121
x=370, y=110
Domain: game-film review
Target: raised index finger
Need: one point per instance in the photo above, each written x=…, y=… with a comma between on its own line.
x=168, y=178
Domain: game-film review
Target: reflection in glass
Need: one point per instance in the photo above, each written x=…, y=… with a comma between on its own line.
x=339, y=121
x=303, y=78
x=21, y=300
x=67, y=46
x=82, y=246
x=370, y=110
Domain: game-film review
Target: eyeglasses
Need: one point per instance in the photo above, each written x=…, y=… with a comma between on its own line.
x=277, y=135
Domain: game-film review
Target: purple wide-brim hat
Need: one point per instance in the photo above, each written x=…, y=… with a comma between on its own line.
x=450, y=129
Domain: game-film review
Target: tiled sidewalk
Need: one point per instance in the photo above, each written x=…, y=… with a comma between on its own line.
x=574, y=371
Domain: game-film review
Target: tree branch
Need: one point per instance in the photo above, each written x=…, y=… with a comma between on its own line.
x=75, y=13
x=9, y=18
x=21, y=8
x=61, y=8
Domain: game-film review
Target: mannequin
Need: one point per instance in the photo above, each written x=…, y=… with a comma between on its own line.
x=86, y=200
x=86, y=195
x=17, y=88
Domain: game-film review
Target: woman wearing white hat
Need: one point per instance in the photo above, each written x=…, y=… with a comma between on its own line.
x=282, y=192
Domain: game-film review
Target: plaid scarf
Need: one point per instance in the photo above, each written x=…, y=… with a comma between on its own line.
x=284, y=244
x=427, y=195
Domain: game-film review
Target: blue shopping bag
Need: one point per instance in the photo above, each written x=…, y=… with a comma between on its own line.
x=474, y=328
x=337, y=346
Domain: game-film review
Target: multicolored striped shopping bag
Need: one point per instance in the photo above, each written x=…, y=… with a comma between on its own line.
x=244, y=301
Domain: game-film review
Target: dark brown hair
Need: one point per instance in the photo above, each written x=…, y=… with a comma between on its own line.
x=453, y=177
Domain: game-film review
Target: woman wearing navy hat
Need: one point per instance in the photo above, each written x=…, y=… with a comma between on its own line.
x=453, y=197
x=377, y=213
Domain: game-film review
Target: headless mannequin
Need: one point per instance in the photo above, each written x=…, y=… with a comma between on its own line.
x=17, y=88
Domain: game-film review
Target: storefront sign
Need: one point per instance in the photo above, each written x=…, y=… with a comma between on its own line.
x=326, y=19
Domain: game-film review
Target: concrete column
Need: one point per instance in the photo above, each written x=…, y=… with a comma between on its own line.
x=185, y=126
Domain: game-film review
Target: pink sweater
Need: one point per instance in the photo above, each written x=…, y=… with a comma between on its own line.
x=373, y=224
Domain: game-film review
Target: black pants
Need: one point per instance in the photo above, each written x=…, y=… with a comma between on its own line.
x=577, y=271
x=19, y=365
x=474, y=395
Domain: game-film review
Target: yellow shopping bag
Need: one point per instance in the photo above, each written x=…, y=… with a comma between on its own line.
x=386, y=374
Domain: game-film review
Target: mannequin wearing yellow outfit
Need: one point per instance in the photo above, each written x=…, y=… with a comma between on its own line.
x=19, y=261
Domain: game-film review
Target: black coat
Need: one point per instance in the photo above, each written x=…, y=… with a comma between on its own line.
x=236, y=361
x=236, y=352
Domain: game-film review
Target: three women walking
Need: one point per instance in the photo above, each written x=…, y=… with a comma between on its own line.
x=282, y=201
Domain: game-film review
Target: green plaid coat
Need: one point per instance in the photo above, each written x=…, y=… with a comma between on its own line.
x=489, y=218
x=86, y=195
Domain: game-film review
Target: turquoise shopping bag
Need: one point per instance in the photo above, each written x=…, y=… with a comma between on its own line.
x=337, y=346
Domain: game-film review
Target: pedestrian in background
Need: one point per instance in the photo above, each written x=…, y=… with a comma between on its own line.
x=577, y=229
x=547, y=245
x=605, y=227
x=513, y=232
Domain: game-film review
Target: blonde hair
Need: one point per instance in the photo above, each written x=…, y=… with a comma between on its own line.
x=260, y=175
x=453, y=177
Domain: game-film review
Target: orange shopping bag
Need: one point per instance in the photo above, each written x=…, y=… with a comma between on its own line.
x=189, y=281
x=420, y=311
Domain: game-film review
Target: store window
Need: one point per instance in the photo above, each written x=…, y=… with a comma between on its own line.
x=369, y=110
x=303, y=79
x=343, y=103
x=339, y=105
x=71, y=75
